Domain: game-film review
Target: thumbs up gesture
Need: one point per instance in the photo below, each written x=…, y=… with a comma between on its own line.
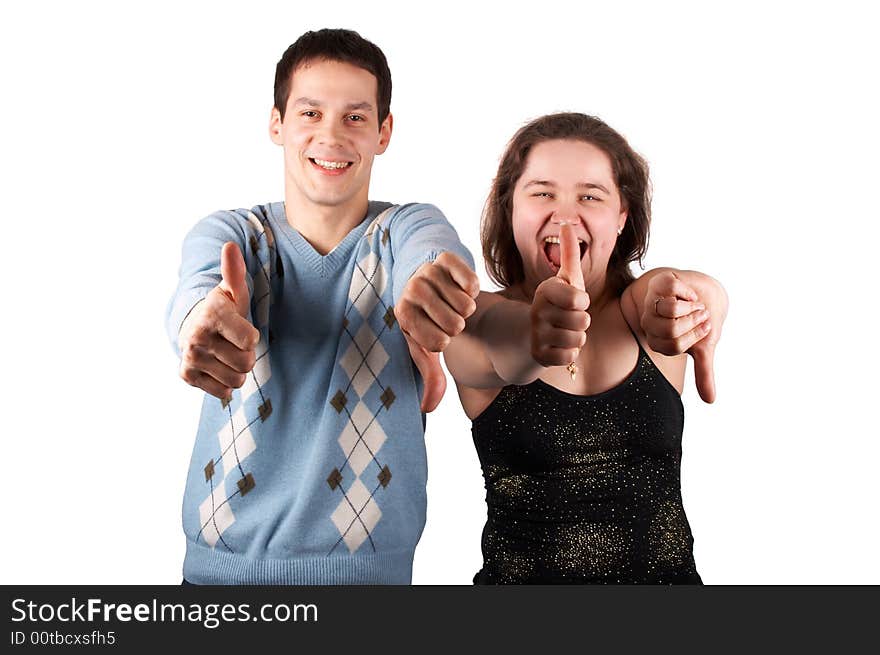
x=559, y=317
x=217, y=342
x=683, y=312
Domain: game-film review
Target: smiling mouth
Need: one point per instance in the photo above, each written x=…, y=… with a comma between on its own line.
x=553, y=253
x=330, y=165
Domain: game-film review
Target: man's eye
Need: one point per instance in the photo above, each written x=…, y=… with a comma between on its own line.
x=589, y=198
x=356, y=118
x=309, y=113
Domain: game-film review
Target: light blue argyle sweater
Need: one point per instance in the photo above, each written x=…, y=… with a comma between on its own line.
x=315, y=472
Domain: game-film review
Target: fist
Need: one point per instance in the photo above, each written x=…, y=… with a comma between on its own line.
x=436, y=302
x=217, y=342
x=559, y=318
x=432, y=309
x=673, y=317
x=677, y=319
x=559, y=322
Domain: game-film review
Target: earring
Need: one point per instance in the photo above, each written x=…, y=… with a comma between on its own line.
x=619, y=231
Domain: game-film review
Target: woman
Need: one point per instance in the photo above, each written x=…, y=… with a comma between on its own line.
x=572, y=373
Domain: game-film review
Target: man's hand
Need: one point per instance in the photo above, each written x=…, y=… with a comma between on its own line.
x=677, y=319
x=217, y=342
x=433, y=308
x=559, y=308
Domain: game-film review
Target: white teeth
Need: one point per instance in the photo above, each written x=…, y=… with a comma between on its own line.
x=331, y=164
x=556, y=240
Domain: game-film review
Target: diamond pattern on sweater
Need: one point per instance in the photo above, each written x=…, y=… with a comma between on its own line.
x=356, y=515
x=235, y=439
x=361, y=438
x=363, y=361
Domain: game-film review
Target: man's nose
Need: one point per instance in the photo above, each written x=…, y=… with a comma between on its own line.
x=330, y=134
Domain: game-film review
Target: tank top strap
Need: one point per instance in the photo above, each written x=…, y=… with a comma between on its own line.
x=635, y=336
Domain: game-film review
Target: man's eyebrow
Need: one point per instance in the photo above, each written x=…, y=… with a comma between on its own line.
x=307, y=101
x=352, y=106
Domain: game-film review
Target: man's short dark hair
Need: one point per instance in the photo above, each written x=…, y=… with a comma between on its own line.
x=345, y=46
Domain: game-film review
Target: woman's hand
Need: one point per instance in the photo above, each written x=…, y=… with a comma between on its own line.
x=559, y=318
x=684, y=311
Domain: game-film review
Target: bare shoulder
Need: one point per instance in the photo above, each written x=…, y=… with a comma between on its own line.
x=672, y=367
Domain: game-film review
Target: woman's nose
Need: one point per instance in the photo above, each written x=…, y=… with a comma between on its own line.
x=564, y=216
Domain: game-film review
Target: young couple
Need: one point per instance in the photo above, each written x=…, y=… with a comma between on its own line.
x=314, y=325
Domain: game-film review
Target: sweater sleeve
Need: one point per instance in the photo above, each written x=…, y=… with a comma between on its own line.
x=200, y=266
x=419, y=234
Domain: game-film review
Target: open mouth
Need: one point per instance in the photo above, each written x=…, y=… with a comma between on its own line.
x=553, y=253
x=330, y=166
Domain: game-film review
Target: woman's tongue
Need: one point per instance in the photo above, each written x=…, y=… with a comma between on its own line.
x=553, y=253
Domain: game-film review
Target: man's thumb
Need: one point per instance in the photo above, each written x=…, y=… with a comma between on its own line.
x=233, y=271
x=704, y=371
x=570, y=257
x=432, y=373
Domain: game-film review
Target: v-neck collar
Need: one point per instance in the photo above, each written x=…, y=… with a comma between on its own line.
x=327, y=264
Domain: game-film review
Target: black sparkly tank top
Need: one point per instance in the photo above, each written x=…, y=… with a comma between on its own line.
x=585, y=489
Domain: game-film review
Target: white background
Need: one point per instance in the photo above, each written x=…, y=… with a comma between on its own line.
x=123, y=125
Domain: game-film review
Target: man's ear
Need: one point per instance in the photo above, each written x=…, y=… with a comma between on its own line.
x=275, y=127
x=385, y=133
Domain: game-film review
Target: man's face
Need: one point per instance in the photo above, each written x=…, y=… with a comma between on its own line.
x=330, y=133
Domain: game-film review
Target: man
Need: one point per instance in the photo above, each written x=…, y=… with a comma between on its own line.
x=299, y=319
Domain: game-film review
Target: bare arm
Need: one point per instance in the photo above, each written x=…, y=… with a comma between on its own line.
x=507, y=341
x=495, y=347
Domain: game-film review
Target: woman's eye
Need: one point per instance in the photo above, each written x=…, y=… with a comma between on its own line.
x=542, y=194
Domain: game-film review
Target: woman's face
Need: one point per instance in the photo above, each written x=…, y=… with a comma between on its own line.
x=566, y=180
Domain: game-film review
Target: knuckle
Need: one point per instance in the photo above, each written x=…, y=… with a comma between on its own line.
x=202, y=330
x=403, y=314
x=189, y=375
x=435, y=272
x=415, y=285
x=254, y=339
x=439, y=343
x=189, y=351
